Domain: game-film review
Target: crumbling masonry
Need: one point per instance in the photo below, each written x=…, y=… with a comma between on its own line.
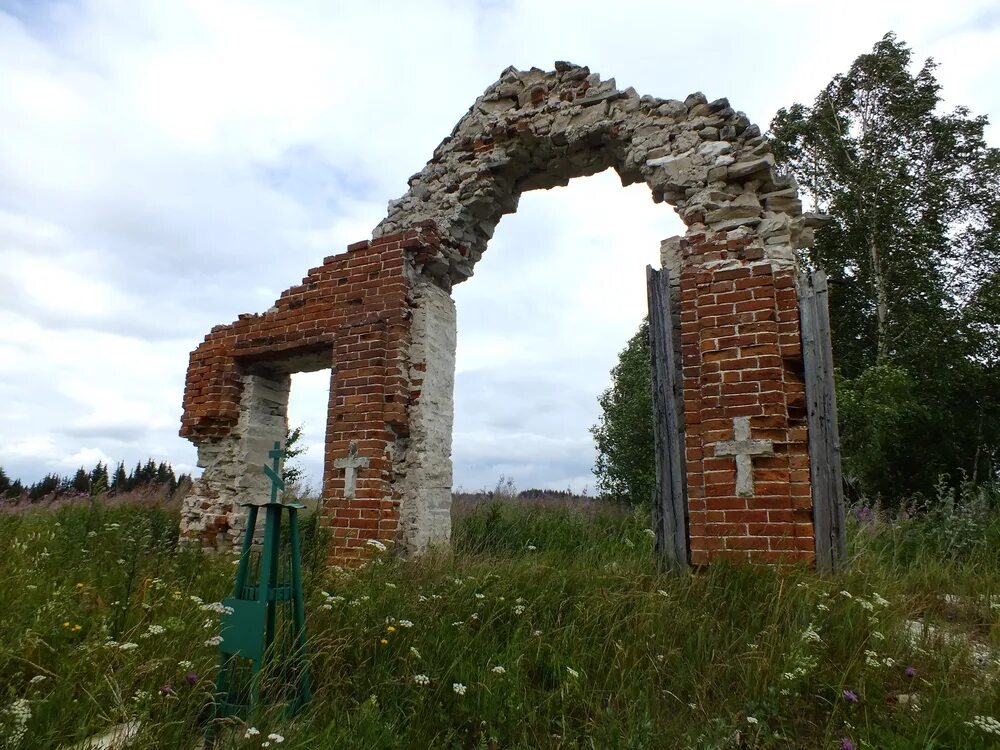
x=381, y=316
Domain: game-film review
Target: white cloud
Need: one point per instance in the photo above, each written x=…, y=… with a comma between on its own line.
x=166, y=166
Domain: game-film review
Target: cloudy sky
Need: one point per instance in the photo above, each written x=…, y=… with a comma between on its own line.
x=165, y=166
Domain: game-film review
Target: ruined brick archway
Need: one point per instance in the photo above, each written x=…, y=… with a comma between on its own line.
x=381, y=315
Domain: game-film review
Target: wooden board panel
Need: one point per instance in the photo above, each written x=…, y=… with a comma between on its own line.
x=824, y=437
x=669, y=500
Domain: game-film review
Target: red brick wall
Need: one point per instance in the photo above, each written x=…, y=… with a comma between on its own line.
x=742, y=357
x=355, y=307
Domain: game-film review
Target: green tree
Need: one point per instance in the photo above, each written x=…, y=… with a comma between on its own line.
x=99, y=479
x=913, y=259
x=81, y=481
x=4, y=481
x=290, y=472
x=47, y=485
x=119, y=482
x=625, y=465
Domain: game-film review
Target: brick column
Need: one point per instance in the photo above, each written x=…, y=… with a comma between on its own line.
x=742, y=358
x=368, y=399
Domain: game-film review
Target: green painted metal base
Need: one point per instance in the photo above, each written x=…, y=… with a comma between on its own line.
x=263, y=650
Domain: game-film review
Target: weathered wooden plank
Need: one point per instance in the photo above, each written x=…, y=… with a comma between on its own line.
x=824, y=438
x=838, y=528
x=669, y=501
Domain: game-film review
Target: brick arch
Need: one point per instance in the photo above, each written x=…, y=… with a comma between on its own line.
x=535, y=129
x=381, y=316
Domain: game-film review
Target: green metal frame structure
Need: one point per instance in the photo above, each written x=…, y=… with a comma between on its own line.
x=260, y=645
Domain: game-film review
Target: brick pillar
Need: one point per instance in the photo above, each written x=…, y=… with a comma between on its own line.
x=742, y=359
x=368, y=398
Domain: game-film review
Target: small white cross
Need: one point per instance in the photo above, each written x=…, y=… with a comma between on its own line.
x=351, y=464
x=744, y=449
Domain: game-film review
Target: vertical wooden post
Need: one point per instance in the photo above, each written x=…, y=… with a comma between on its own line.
x=669, y=501
x=824, y=438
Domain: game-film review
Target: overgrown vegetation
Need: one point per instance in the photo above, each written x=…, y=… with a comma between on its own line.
x=543, y=628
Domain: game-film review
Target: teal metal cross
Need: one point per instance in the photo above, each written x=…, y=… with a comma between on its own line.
x=277, y=483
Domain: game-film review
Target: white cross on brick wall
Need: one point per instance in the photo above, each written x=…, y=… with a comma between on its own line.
x=350, y=465
x=744, y=449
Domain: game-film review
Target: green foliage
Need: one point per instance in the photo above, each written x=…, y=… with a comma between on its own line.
x=913, y=256
x=625, y=465
x=292, y=473
x=595, y=648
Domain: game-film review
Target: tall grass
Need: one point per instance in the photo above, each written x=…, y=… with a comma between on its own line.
x=543, y=628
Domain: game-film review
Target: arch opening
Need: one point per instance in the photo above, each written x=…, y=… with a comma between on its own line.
x=385, y=312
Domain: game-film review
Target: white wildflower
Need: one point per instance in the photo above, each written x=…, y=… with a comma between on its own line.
x=215, y=640
x=422, y=598
x=532, y=547
x=128, y=646
x=20, y=711
x=422, y=679
x=37, y=678
x=405, y=624
x=377, y=545
x=880, y=601
x=185, y=664
x=650, y=533
x=822, y=607
x=414, y=652
x=154, y=630
x=459, y=688
x=811, y=635
x=519, y=609
x=479, y=596
x=251, y=732
x=276, y=738
x=390, y=585
x=572, y=672
x=752, y=720
x=498, y=670
x=987, y=723
x=536, y=632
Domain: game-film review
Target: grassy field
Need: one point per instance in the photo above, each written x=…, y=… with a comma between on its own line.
x=543, y=628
